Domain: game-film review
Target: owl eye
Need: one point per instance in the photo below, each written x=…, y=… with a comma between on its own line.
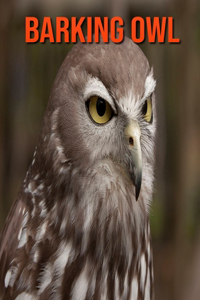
x=99, y=110
x=147, y=110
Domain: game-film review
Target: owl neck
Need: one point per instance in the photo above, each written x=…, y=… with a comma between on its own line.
x=94, y=214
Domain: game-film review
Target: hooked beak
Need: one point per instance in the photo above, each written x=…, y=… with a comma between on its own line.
x=133, y=134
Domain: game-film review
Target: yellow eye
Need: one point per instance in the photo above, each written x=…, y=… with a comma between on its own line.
x=147, y=110
x=99, y=109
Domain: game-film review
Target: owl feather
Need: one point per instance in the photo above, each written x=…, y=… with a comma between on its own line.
x=79, y=228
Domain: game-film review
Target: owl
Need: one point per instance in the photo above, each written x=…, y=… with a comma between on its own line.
x=79, y=228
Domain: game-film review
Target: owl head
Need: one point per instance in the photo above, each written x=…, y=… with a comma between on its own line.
x=101, y=112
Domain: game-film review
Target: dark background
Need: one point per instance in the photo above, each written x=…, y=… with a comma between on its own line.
x=27, y=72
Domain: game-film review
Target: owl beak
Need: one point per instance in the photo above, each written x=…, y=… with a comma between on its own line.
x=133, y=135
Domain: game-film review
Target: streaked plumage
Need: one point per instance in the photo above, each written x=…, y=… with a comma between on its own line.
x=76, y=230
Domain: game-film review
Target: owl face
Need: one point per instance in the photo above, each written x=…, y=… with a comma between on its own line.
x=105, y=109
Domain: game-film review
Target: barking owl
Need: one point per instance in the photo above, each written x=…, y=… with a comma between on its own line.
x=79, y=228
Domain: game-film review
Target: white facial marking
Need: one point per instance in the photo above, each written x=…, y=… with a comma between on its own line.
x=150, y=85
x=127, y=104
x=95, y=87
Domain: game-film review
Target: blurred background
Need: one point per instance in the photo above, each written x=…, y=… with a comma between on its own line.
x=27, y=72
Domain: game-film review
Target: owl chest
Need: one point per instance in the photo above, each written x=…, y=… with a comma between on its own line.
x=106, y=279
x=90, y=252
x=89, y=266
x=102, y=267
x=106, y=263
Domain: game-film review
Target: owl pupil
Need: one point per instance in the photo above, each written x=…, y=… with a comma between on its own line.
x=144, y=108
x=101, y=107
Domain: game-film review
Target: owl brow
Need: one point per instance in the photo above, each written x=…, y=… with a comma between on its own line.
x=95, y=87
x=142, y=101
x=150, y=85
